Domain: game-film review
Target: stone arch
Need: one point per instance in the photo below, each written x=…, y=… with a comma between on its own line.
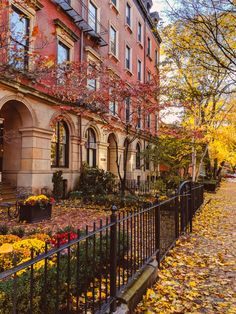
x=17, y=118
x=24, y=107
x=66, y=118
x=95, y=128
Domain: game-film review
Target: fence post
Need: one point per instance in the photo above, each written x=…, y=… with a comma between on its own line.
x=157, y=232
x=113, y=258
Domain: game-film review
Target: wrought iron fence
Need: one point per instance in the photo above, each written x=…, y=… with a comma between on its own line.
x=87, y=272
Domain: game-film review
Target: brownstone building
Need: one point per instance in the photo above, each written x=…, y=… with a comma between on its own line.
x=121, y=33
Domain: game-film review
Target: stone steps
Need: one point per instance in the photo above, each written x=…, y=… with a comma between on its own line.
x=7, y=193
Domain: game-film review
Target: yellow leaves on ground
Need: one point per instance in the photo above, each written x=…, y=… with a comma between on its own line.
x=199, y=274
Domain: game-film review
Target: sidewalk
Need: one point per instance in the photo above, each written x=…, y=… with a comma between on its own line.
x=199, y=276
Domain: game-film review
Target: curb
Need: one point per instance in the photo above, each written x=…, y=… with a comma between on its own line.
x=133, y=294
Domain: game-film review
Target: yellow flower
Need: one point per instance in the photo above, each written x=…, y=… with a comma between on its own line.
x=6, y=248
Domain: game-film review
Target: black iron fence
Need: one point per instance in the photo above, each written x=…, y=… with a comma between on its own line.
x=88, y=271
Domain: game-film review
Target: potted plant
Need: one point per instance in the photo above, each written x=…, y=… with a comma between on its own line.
x=36, y=208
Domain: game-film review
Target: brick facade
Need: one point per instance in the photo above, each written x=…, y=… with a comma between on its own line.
x=26, y=158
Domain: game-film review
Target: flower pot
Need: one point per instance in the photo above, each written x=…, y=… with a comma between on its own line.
x=35, y=213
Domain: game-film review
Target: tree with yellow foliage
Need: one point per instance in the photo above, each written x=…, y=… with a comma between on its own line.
x=204, y=94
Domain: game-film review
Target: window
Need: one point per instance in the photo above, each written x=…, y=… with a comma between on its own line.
x=128, y=57
x=149, y=47
x=139, y=121
x=139, y=70
x=63, y=53
x=92, y=16
x=139, y=32
x=138, y=156
x=127, y=110
x=114, y=2
x=156, y=57
x=91, y=146
x=113, y=41
x=148, y=76
x=92, y=82
x=156, y=123
x=19, y=27
x=113, y=106
x=148, y=120
x=60, y=145
x=128, y=14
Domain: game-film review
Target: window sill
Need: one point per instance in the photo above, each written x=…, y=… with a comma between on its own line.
x=140, y=44
x=114, y=7
x=129, y=72
x=128, y=27
x=149, y=57
x=111, y=55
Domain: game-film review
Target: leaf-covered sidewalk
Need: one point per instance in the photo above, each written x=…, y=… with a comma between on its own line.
x=199, y=275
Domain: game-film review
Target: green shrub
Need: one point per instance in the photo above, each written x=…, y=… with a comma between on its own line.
x=95, y=181
x=75, y=194
x=18, y=231
x=57, y=181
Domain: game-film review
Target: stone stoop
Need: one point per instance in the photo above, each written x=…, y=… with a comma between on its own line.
x=7, y=193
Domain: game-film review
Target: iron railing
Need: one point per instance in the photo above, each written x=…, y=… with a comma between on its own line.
x=87, y=272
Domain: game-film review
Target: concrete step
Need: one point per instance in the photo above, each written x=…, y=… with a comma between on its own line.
x=7, y=192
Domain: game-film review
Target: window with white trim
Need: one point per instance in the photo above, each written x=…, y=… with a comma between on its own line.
x=93, y=16
x=156, y=57
x=140, y=32
x=139, y=70
x=128, y=57
x=113, y=106
x=63, y=53
x=91, y=82
x=91, y=147
x=128, y=14
x=113, y=41
x=19, y=27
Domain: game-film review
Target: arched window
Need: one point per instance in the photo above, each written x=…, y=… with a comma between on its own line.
x=138, y=156
x=60, y=145
x=91, y=147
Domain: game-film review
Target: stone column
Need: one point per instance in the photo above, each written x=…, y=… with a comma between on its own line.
x=35, y=166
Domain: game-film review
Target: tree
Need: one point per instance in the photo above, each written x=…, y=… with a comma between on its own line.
x=203, y=94
x=211, y=32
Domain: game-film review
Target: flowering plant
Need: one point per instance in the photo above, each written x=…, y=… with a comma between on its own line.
x=41, y=199
x=63, y=238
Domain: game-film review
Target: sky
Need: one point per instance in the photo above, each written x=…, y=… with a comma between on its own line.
x=159, y=5
x=167, y=117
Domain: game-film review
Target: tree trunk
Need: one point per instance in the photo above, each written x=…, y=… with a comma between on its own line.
x=201, y=162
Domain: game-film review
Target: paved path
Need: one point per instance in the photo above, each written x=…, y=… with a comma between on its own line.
x=199, y=276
